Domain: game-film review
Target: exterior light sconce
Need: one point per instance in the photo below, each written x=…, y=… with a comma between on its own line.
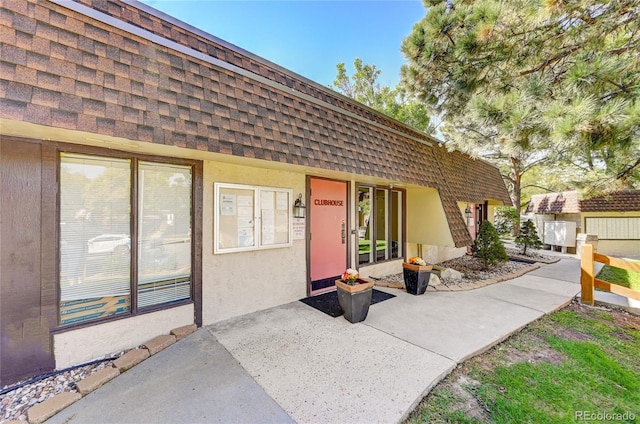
x=299, y=209
x=468, y=213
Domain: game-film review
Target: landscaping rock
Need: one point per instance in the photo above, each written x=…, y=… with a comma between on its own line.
x=436, y=270
x=96, y=380
x=451, y=274
x=159, y=343
x=434, y=280
x=47, y=409
x=130, y=359
x=182, y=332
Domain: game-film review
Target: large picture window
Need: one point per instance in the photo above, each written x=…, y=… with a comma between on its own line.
x=107, y=268
x=380, y=224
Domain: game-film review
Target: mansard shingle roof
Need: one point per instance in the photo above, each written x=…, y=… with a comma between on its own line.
x=130, y=71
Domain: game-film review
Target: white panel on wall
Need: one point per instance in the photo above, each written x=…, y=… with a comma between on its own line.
x=560, y=233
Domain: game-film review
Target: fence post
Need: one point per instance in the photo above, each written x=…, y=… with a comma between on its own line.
x=587, y=276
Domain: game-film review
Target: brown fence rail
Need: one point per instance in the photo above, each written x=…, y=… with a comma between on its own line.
x=589, y=282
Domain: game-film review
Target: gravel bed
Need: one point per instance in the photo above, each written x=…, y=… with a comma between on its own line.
x=532, y=254
x=14, y=404
x=471, y=269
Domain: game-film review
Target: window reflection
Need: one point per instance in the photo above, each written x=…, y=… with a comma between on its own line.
x=365, y=232
x=380, y=224
x=164, y=236
x=94, y=237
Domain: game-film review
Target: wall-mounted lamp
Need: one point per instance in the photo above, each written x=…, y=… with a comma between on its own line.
x=467, y=212
x=299, y=209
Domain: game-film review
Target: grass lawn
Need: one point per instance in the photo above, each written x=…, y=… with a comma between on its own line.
x=629, y=279
x=562, y=368
x=364, y=246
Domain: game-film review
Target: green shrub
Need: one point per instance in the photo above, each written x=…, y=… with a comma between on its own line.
x=528, y=237
x=488, y=247
x=506, y=219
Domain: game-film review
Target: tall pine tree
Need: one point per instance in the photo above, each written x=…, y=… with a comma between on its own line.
x=524, y=81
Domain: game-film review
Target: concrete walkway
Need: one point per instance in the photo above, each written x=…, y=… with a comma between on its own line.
x=294, y=363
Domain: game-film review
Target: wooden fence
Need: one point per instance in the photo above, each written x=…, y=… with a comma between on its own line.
x=589, y=282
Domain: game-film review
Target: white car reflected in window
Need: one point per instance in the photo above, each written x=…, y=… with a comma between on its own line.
x=110, y=243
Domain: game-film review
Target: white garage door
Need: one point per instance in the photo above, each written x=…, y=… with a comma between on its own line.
x=614, y=228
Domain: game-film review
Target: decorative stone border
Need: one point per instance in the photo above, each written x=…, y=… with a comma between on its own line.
x=41, y=412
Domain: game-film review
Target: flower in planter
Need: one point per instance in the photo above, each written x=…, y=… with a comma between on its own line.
x=415, y=260
x=350, y=276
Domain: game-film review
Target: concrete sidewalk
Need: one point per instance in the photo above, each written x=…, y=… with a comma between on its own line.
x=294, y=363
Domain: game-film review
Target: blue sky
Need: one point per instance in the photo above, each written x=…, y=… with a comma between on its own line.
x=308, y=37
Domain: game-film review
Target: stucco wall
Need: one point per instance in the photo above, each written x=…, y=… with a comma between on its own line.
x=239, y=283
x=382, y=269
x=435, y=254
x=620, y=248
x=82, y=345
x=426, y=220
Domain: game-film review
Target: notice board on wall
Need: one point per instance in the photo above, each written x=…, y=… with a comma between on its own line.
x=251, y=217
x=236, y=214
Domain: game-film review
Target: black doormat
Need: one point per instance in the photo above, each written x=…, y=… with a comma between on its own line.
x=328, y=302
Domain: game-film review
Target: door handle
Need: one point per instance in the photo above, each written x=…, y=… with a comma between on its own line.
x=344, y=233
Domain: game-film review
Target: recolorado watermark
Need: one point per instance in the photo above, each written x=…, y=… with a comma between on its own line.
x=601, y=416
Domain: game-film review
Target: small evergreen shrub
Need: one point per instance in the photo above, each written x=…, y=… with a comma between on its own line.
x=528, y=237
x=488, y=247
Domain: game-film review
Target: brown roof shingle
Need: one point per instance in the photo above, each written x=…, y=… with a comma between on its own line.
x=617, y=201
x=106, y=80
x=552, y=203
x=568, y=202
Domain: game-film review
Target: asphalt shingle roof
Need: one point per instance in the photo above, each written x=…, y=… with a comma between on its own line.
x=568, y=202
x=64, y=69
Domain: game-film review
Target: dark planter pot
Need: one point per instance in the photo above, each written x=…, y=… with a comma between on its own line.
x=416, y=278
x=355, y=300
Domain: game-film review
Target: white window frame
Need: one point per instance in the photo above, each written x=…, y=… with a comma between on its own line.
x=258, y=228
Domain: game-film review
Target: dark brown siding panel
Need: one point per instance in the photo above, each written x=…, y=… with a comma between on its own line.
x=26, y=343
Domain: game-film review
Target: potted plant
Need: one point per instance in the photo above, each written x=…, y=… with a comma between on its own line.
x=354, y=295
x=416, y=275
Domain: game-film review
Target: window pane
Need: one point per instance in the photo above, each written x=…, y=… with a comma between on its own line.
x=396, y=224
x=164, y=233
x=381, y=225
x=274, y=216
x=365, y=233
x=95, y=240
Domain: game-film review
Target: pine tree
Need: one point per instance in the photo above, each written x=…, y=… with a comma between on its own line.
x=528, y=237
x=488, y=247
x=523, y=81
x=363, y=86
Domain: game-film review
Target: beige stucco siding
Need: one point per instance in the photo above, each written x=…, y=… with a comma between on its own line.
x=426, y=221
x=428, y=234
x=239, y=283
x=82, y=345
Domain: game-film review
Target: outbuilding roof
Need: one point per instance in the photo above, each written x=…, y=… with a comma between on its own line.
x=617, y=201
x=552, y=203
x=569, y=202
